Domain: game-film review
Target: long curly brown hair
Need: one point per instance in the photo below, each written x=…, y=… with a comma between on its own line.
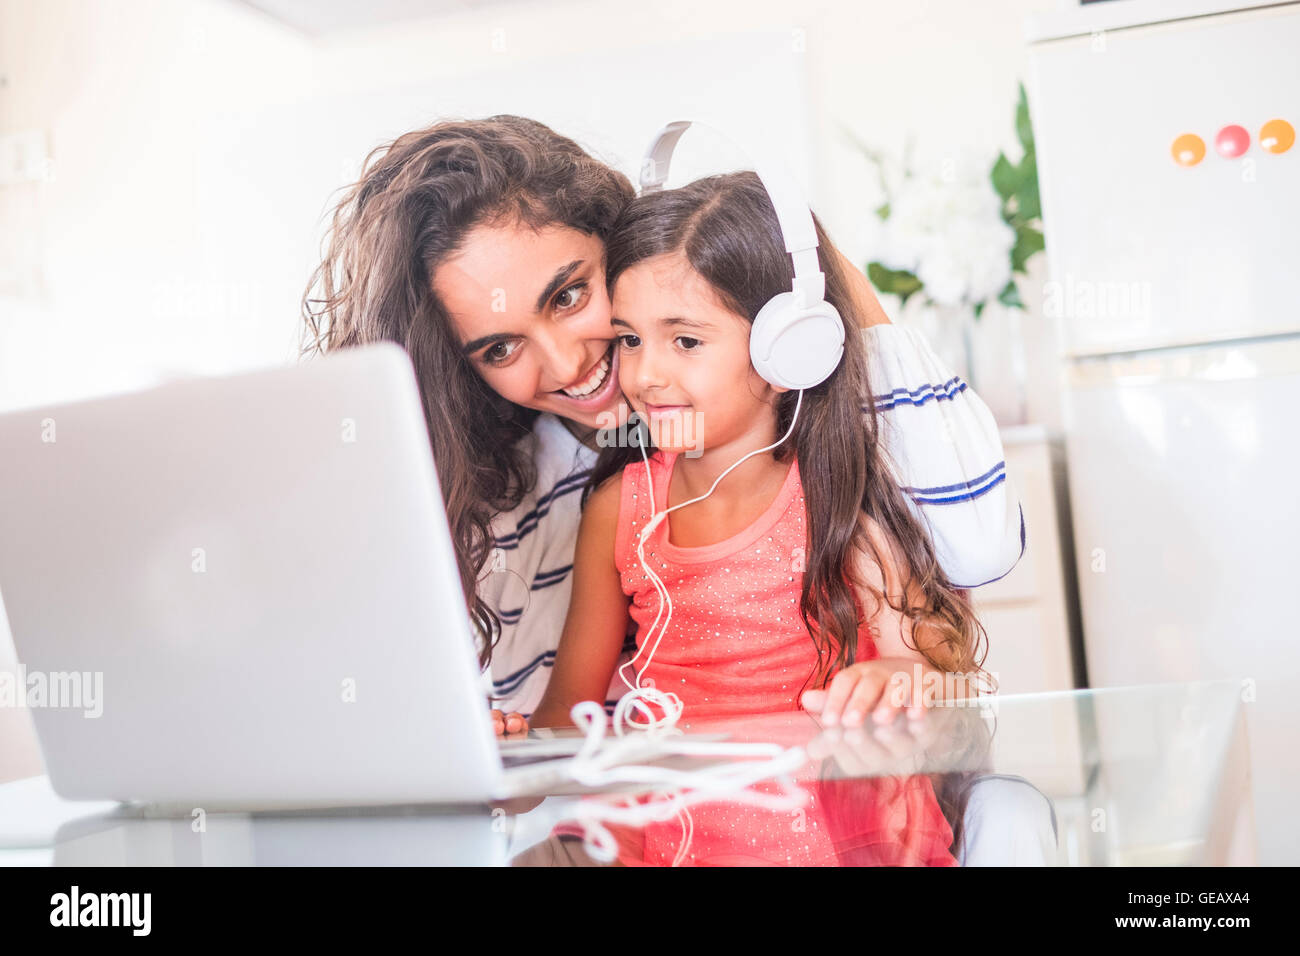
x=413, y=205
x=726, y=228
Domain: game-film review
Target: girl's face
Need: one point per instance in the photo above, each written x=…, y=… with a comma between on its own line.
x=532, y=315
x=684, y=361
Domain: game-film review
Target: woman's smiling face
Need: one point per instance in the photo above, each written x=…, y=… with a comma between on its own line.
x=532, y=314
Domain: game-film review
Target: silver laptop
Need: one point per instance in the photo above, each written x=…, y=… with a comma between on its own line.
x=241, y=592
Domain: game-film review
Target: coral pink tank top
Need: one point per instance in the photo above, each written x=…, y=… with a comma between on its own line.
x=736, y=643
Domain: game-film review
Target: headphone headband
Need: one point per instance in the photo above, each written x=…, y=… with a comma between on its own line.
x=792, y=212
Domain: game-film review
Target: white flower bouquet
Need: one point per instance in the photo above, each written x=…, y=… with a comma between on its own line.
x=954, y=229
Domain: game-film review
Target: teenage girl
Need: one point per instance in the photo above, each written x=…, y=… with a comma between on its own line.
x=803, y=578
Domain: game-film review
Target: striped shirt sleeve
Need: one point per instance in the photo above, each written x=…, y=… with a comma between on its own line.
x=946, y=453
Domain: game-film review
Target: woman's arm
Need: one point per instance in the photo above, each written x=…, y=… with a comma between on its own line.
x=946, y=453
x=944, y=446
x=596, y=625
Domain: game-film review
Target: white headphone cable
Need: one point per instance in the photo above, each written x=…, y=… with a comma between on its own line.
x=640, y=698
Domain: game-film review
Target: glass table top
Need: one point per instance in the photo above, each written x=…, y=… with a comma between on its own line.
x=1152, y=775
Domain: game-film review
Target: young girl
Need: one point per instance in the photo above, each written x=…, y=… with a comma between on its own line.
x=803, y=578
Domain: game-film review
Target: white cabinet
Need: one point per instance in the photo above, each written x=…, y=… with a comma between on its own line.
x=1029, y=614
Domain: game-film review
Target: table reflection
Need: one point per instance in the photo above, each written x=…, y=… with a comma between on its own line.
x=1145, y=775
x=856, y=801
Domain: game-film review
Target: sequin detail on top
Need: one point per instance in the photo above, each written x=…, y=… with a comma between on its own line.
x=737, y=643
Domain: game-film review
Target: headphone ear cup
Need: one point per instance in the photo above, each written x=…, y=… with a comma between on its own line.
x=795, y=345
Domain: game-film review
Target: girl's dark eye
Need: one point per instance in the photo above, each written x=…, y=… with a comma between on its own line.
x=570, y=298
x=629, y=341
x=688, y=343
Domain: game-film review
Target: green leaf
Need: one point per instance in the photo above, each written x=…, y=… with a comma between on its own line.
x=899, y=282
x=1028, y=241
x=883, y=211
x=1005, y=177
x=979, y=307
x=1030, y=207
x=1024, y=129
x=1010, y=295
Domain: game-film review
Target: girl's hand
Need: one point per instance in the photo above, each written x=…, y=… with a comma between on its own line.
x=884, y=688
x=509, y=725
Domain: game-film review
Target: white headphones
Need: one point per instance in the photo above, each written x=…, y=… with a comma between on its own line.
x=798, y=337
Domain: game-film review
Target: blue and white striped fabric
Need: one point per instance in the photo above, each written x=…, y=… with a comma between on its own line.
x=943, y=446
x=530, y=577
x=946, y=454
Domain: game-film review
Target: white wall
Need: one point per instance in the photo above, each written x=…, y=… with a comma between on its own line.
x=155, y=248
x=941, y=72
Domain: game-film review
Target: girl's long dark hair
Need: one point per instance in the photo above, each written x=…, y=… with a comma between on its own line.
x=416, y=199
x=726, y=228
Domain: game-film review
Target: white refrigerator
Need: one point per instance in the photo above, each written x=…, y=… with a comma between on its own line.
x=1170, y=185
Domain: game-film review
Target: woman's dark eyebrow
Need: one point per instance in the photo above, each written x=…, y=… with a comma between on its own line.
x=561, y=276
